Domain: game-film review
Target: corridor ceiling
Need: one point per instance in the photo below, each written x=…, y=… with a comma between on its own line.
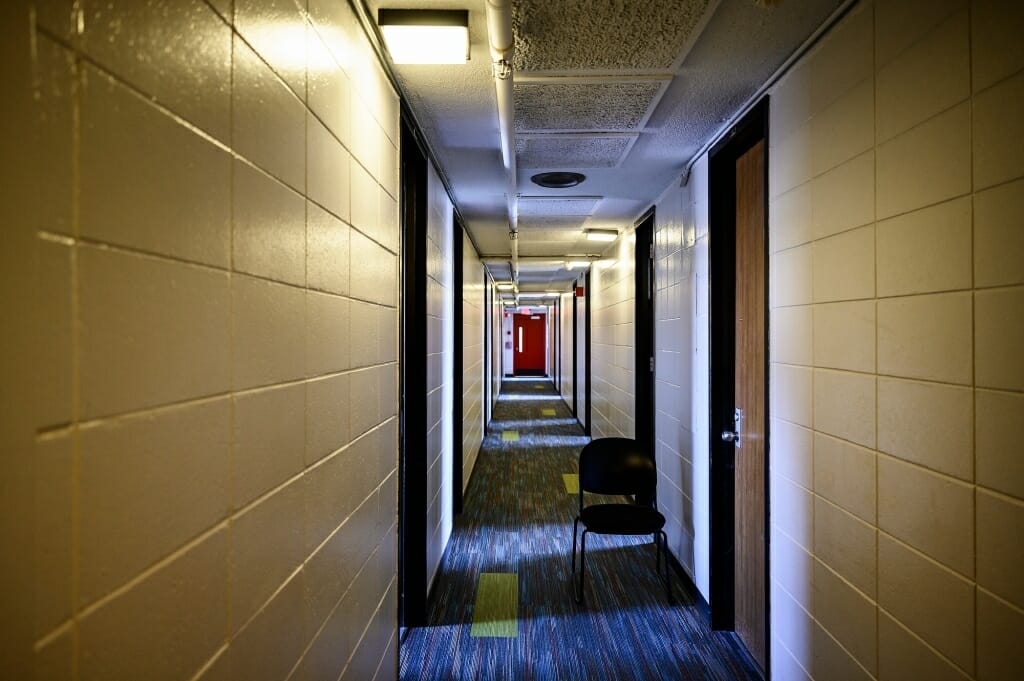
x=624, y=91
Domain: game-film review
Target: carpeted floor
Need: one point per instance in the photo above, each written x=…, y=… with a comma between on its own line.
x=518, y=519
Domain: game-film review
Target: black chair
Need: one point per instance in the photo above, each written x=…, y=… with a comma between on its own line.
x=618, y=466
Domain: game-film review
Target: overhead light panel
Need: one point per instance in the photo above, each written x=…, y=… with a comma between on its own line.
x=422, y=36
x=601, y=234
x=505, y=285
x=573, y=264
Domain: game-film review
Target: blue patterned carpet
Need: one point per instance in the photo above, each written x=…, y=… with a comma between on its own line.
x=518, y=518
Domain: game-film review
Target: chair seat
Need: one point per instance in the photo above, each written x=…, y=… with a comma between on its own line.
x=621, y=519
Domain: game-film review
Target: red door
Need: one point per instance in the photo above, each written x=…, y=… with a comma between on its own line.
x=529, y=336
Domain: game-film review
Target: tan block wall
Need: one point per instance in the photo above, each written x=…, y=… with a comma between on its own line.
x=566, y=312
x=440, y=366
x=215, y=249
x=682, y=370
x=612, y=387
x=897, y=300
x=472, y=356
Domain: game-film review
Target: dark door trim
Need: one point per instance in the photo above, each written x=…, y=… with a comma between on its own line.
x=488, y=348
x=556, y=355
x=575, y=348
x=412, y=459
x=458, y=358
x=586, y=346
x=722, y=272
x=643, y=331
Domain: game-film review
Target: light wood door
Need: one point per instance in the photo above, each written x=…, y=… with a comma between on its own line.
x=750, y=402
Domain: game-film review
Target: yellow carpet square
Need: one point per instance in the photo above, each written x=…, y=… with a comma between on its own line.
x=572, y=482
x=547, y=412
x=510, y=436
x=496, y=611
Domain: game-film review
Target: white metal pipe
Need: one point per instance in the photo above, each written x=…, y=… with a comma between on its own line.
x=499, y=29
x=502, y=45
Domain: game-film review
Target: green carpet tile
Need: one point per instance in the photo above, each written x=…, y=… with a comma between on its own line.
x=495, y=612
x=517, y=520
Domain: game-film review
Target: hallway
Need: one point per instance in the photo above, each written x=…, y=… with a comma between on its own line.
x=517, y=519
x=259, y=286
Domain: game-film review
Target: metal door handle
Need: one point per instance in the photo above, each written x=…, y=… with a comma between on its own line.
x=735, y=436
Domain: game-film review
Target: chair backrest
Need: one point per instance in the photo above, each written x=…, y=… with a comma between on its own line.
x=616, y=465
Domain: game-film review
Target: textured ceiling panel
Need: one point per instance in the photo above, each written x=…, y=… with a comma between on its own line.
x=546, y=227
x=620, y=34
x=542, y=206
x=547, y=249
x=558, y=151
x=548, y=105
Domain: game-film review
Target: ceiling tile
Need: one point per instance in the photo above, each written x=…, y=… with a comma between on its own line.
x=576, y=151
x=616, y=105
x=637, y=35
x=543, y=206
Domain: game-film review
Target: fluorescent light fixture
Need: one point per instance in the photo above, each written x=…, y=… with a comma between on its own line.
x=505, y=285
x=537, y=295
x=573, y=264
x=422, y=36
x=601, y=234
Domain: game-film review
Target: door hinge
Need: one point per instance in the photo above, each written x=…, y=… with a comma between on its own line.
x=652, y=365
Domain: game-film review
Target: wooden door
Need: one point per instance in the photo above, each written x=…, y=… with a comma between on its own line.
x=750, y=402
x=529, y=344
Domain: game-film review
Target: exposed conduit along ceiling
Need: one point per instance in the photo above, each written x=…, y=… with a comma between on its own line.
x=499, y=35
x=624, y=92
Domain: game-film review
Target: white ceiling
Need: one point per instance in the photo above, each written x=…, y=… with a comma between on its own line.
x=624, y=92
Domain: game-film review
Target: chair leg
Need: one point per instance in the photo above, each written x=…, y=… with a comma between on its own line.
x=583, y=566
x=575, y=530
x=668, y=569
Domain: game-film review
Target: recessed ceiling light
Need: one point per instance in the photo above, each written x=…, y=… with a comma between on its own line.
x=558, y=179
x=425, y=36
x=601, y=234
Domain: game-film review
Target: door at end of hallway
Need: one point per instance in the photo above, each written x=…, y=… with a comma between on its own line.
x=529, y=344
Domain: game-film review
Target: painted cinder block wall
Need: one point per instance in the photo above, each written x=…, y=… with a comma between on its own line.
x=440, y=366
x=612, y=280
x=213, y=257
x=472, y=356
x=566, y=314
x=897, y=319
x=682, y=370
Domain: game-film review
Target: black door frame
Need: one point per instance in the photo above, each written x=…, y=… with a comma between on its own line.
x=488, y=342
x=556, y=354
x=753, y=127
x=458, y=357
x=643, y=333
x=586, y=347
x=575, y=347
x=412, y=419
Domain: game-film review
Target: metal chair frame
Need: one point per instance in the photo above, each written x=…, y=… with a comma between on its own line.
x=628, y=471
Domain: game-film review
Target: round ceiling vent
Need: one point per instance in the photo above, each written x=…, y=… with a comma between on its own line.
x=558, y=179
